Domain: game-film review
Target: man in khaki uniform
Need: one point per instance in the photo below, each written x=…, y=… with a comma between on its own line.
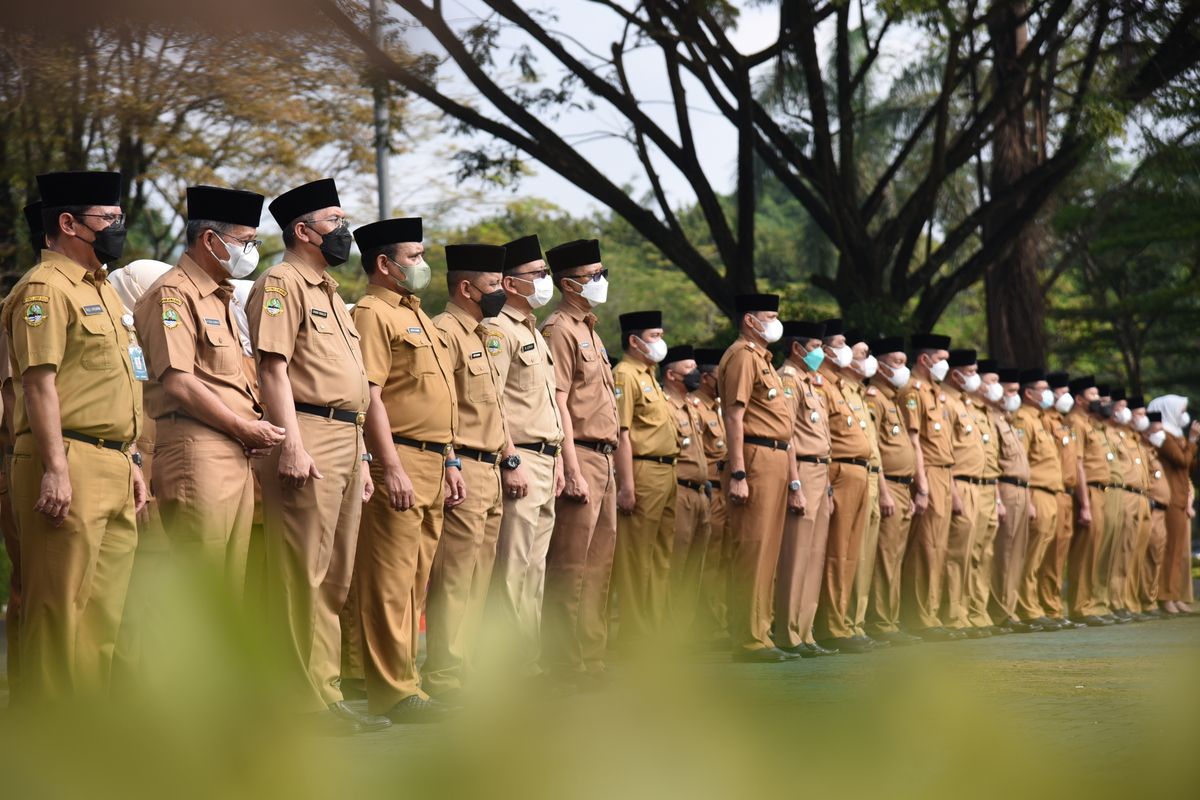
x=462, y=566
x=76, y=483
x=579, y=562
x=802, y=553
x=693, y=523
x=927, y=415
x=1054, y=565
x=1045, y=482
x=315, y=482
x=711, y=618
x=1083, y=592
x=1012, y=538
x=758, y=420
x=1111, y=402
x=966, y=485
x=988, y=406
x=1137, y=505
x=849, y=477
x=208, y=413
x=1160, y=496
x=647, y=448
x=530, y=490
x=896, y=502
x=409, y=429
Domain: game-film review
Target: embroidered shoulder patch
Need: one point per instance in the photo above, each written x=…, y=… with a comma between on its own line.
x=617, y=392
x=174, y=300
x=277, y=290
x=35, y=313
x=910, y=402
x=170, y=318
x=273, y=306
x=492, y=344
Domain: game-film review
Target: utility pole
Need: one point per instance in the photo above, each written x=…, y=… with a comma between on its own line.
x=381, y=117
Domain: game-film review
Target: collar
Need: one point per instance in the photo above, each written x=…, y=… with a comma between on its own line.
x=707, y=400
x=72, y=270
x=637, y=364
x=463, y=317
x=885, y=388
x=520, y=317
x=392, y=297
x=679, y=401
x=196, y=274
x=578, y=314
x=310, y=273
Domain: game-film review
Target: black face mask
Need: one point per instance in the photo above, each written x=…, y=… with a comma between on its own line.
x=335, y=246
x=1100, y=408
x=490, y=304
x=691, y=381
x=109, y=243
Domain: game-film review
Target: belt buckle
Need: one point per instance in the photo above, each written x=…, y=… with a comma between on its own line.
x=99, y=443
x=360, y=418
x=445, y=450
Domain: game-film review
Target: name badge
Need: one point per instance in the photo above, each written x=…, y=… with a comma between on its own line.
x=528, y=347
x=477, y=355
x=414, y=330
x=138, y=360
x=210, y=321
x=91, y=311
x=317, y=312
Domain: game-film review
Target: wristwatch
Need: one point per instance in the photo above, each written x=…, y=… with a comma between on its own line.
x=739, y=475
x=137, y=459
x=794, y=486
x=454, y=462
x=510, y=462
x=368, y=458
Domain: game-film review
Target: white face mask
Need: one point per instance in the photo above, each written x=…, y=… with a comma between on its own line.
x=1184, y=419
x=772, y=331
x=543, y=290
x=1142, y=423
x=656, y=351
x=1047, y=399
x=867, y=367
x=971, y=383
x=239, y=263
x=993, y=392
x=939, y=370
x=1012, y=402
x=1123, y=416
x=595, y=291
x=1064, y=403
x=899, y=377
x=842, y=356
x=1157, y=438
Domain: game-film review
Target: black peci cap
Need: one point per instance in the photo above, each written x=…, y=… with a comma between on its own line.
x=988, y=366
x=1009, y=374
x=1103, y=389
x=1057, y=380
x=963, y=358
x=60, y=189
x=1137, y=401
x=295, y=203
x=1032, y=375
x=1117, y=393
x=640, y=321
x=375, y=235
x=709, y=356
x=855, y=336
x=679, y=352
x=797, y=329
x=521, y=251
x=233, y=206
x=1082, y=383
x=751, y=303
x=930, y=341
x=833, y=327
x=886, y=344
x=475, y=257
x=579, y=253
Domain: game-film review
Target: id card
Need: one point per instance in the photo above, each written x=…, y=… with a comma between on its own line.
x=139, y=363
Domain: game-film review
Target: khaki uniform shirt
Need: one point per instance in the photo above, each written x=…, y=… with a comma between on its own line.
x=1068, y=446
x=476, y=380
x=581, y=369
x=747, y=378
x=895, y=446
x=406, y=356
x=1096, y=452
x=692, y=464
x=810, y=430
x=847, y=422
x=294, y=311
x=927, y=414
x=1045, y=469
x=1160, y=489
x=985, y=418
x=643, y=410
x=1135, y=459
x=63, y=316
x=1014, y=463
x=856, y=395
x=966, y=438
x=1125, y=470
x=185, y=324
x=713, y=428
x=527, y=374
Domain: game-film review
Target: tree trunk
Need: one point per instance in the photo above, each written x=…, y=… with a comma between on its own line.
x=1015, y=307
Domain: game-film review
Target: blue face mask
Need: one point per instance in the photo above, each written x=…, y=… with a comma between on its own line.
x=814, y=358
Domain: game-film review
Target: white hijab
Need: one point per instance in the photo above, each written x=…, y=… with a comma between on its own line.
x=1171, y=406
x=132, y=280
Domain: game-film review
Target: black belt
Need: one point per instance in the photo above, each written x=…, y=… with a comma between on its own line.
x=874, y=470
x=813, y=459
x=1103, y=486
x=903, y=480
x=1021, y=482
x=858, y=462
x=599, y=447
x=92, y=440
x=693, y=485
x=476, y=455
x=971, y=480
x=668, y=460
x=774, y=444
x=1157, y=506
x=338, y=414
x=434, y=447
x=1045, y=489
x=1131, y=489
x=545, y=448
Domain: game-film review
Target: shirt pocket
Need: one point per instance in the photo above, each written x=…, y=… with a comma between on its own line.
x=480, y=388
x=97, y=350
x=325, y=337
x=528, y=374
x=419, y=352
x=218, y=355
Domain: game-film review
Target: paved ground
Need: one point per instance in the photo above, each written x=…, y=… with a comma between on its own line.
x=1095, y=713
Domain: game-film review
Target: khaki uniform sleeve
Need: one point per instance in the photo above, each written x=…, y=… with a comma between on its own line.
x=910, y=410
x=1020, y=423
x=375, y=340
x=738, y=379
x=167, y=329
x=562, y=349
x=275, y=312
x=40, y=314
x=625, y=390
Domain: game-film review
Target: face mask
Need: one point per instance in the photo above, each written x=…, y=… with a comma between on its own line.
x=1142, y=423
x=1047, y=399
x=109, y=243
x=993, y=392
x=543, y=290
x=656, y=351
x=416, y=276
x=335, y=245
x=814, y=359
x=691, y=381
x=1098, y=408
x=867, y=367
x=939, y=370
x=842, y=356
x=971, y=383
x=1184, y=419
x=239, y=263
x=1012, y=402
x=899, y=377
x=771, y=331
x=491, y=303
x=1123, y=416
x=1064, y=403
x=1157, y=438
x=595, y=291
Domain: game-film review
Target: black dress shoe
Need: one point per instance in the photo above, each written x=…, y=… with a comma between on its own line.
x=1140, y=616
x=895, y=638
x=957, y=633
x=978, y=633
x=999, y=630
x=847, y=644
x=1067, y=624
x=763, y=655
x=416, y=709
x=1114, y=619
x=1023, y=627
x=937, y=634
x=1093, y=621
x=874, y=644
x=1155, y=613
x=801, y=649
x=1047, y=624
x=367, y=723
x=817, y=650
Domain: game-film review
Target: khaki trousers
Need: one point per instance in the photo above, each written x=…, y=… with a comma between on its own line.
x=834, y=619
x=458, y=580
x=712, y=613
x=1110, y=547
x=955, y=609
x=1050, y=575
x=884, y=613
x=1152, y=567
x=1175, y=582
x=1008, y=560
x=578, y=570
x=310, y=534
x=12, y=613
x=860, y=597
x=1083, y=562
x=757, y=526
x=642, y=566
x=74, y=577
x=520, y=571
x=1126, y=562
x=693, y=529
x=925, y=562
x=1042, y=530
x=802, y=559
x=979, y=574
x=391, y=573
x=205, y=490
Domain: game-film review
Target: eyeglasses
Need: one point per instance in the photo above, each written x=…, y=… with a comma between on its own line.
x=530, y=276
x=339, y=222
x=247, y=245
x=114, y=220
x=591, y=277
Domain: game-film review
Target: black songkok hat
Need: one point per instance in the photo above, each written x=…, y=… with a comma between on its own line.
x=1032, y=375
x=797, y=329
x=640, y=321
x=1057, y=380
x=709, y=356
x=579, y=253
x=521, y=251
x=1118, y=393
x=295, y=203
x=234, y=206
x=988, y=366
x=375, y=235
x=930, y=341
x=680, y=352
x=963, y=358
x=1137, y=401
x=751, y=303
x=833, y=327
x=886, y=344
x=60, y=189
x=1082, y=383
x=1103, y=389
x=475, y=257
x=1009, y=374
